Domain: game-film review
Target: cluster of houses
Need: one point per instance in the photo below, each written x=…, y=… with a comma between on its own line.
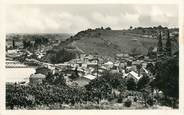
x=89, y=67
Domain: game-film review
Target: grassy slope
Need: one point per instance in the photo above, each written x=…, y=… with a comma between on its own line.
x=114, y=41
x=111, y=42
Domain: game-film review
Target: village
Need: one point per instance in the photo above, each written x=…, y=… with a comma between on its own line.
x=92, y=56
x=88, y=67
x=136, y=75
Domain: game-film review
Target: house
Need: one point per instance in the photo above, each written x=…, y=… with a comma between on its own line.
x=12, y=51
x=43, y=70
x=131, y=68
x=84, y=80
x=89, y=57
x=139, y=57
x=122, y=64
x=145, y=71
x=137, y=62
x=37, y=78
x=84, y=65
x=144, y=64
x=108, y=64
x=40, y=55
x=113, y=71
x=133, y=75
x=120, y=56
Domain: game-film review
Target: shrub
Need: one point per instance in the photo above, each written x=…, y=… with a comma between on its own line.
x=131, y=84
x=150, y=102
x=128, y=103
x=135, y=99
x=120, y=100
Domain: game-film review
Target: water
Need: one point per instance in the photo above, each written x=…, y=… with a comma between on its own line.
x=19, y=74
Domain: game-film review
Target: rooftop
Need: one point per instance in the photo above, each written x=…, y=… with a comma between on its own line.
x=91, y=77
x=39, y=75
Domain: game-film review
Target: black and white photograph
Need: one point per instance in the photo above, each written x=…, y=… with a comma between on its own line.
x=92, y=57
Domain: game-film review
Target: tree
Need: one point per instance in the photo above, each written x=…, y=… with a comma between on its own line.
x=102, y=86
x=167, y=78
x=151, y=68
x=74, y=74
x=134, y=52
x=60, y=80
x=130, y=28
x=49, y=78
x=168, y=44
x=143, y=82
x=160, y=47
x=108, y=28
x=131, y=84
x=13, y=44
x=151, y=53
x=146, y=91
x=139, y=66
x=61, y=55
x=128, y=103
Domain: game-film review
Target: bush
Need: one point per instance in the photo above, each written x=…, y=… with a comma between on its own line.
x=131, y=84
x=150, y=101
x=128, y=103
x=120, y=100
x=135, y=99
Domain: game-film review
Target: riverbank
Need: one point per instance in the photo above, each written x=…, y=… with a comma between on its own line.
x=18, y=72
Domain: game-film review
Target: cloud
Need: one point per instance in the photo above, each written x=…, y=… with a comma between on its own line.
x=129, y=20
x=73, y=22
x=105, y=19
x=123, y=20
x=144, y=19
x=64, y=19
x=158, y=15
x=27, y=20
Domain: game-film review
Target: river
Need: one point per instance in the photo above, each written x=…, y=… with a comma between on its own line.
x=19, y=74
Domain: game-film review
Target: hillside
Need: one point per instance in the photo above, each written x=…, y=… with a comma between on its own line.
x=111, y=42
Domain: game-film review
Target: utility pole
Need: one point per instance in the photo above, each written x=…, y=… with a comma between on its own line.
x=96, y=58
x=159, y=45
x=13, y=44
x=97, y=66
x=168, y=44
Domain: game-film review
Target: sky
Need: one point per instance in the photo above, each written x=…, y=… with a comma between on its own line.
x=68, y=18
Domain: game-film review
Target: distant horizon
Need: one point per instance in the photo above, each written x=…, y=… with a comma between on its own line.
x=88, y=28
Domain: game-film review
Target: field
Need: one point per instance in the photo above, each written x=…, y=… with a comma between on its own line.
x=111, y=42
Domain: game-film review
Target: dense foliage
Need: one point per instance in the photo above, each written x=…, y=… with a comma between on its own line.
x=167, y=78
x=60, y=56
x=28, y=96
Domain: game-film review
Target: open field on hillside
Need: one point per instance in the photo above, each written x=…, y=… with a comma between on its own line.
x=111, y=42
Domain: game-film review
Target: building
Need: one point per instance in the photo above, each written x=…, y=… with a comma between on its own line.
x=82, y=81
x=108, y=65
x=43, y=70
x=133, y=75
x=131, y=68
x=36, y=78
x=144, y=71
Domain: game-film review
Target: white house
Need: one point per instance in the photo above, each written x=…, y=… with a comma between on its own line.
x=133, y=75
x=36, y=78
x=84, y=80
x=108, y=64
